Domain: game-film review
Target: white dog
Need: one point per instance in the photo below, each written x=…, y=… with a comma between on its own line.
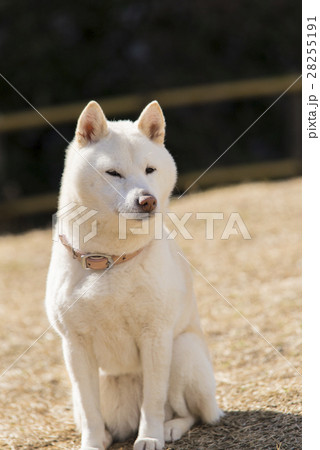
x=125, y=308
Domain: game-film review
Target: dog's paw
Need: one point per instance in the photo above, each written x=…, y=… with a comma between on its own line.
x=172, y=431
x=97, y=444
x=175, y=428
x=148, y=444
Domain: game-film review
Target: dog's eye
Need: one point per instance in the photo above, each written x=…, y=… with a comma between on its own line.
x=114, y=173
x=150, y=170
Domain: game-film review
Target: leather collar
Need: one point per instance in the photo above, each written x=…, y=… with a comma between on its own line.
x=97, y=261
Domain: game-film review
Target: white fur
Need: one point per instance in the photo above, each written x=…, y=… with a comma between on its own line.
x=131, y=337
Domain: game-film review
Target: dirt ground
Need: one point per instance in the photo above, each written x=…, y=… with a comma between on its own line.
x=249, y=297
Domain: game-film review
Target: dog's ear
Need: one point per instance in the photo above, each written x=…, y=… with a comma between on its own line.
x=92, y=125
x=151, y=122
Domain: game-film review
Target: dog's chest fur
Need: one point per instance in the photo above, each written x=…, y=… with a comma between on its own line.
x=119, y=306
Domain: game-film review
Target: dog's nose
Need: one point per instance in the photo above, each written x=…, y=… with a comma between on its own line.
x=147, y=202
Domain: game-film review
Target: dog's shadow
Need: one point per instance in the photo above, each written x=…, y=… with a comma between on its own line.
x=256, y=430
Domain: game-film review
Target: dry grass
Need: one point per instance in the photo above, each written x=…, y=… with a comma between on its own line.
x=257, y=387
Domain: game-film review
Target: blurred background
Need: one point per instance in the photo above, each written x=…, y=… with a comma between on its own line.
x=214, y=66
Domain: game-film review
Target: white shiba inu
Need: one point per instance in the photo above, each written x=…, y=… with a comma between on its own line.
x=125, y=308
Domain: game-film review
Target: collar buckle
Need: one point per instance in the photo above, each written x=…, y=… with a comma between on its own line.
x=96, y=261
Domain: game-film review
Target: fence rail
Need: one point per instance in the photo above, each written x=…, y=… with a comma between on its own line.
x=46, y=203
x=168, y=98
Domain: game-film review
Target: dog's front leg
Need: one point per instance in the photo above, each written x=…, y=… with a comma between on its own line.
x=83, y=371
x=156, y=352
